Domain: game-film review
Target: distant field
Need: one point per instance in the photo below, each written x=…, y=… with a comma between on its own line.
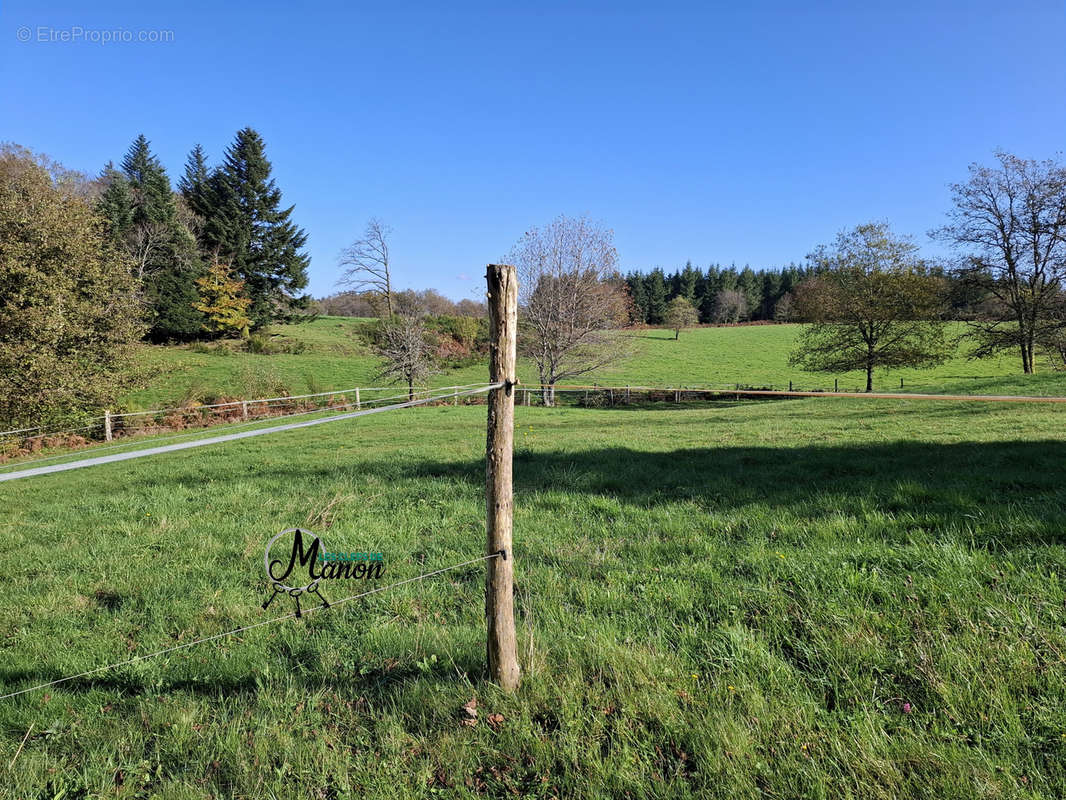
x=755, y=355
x=729, y=601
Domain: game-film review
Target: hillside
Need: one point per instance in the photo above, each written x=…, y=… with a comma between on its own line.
x=333, y=357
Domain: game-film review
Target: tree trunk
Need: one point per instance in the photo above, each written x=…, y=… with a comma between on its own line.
x=869, y=377
x=677, y=333
x=410, y=390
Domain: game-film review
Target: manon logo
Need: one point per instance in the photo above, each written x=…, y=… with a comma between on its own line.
x=305, y=563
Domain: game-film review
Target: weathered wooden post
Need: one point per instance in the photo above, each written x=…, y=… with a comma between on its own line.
x=358, y=402
x=107, y=425
x=499, y=488
x=244, y=409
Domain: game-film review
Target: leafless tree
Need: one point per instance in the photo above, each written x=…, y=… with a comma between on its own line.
x=407, y=351
x=1009, y=225
x=572, y=299
x=144, y=241
x=730, y=306
x=470, y=308
x=785, y=310
x=366, y=263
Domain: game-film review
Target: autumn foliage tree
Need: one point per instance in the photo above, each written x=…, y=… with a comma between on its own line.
x=871, y=304
x=222, y=303
x=69, y=312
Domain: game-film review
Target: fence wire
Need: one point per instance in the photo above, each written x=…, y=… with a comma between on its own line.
x=229, y=437
x=242, y=629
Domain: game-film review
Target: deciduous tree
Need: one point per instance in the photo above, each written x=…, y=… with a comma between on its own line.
x=222, y=302
x=872, y=304
x=366, y=263
x=572, y=300
x=1009, y=226
x=680, y=315
x=69, y=312
x=408, y=353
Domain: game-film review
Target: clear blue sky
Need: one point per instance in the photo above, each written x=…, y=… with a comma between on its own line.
x=744, y=132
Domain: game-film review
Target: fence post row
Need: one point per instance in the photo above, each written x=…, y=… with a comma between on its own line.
x=501, y=645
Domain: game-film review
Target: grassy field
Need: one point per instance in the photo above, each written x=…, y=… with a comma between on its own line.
x=734, y=600
x=334, y=358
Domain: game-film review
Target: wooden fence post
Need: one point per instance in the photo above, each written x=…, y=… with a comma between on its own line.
x=107, y=425
x=244, y=409
x=501, y=645
x=358, y=402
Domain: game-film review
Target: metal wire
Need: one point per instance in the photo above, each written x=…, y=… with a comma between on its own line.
x=242, y=629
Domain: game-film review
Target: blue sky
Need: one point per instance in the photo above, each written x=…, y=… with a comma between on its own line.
x=730, y=132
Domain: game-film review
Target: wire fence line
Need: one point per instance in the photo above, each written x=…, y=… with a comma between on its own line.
x=600, y=395
x=230, y=437
x=24, y=442
x=243, y=628
x=134, y=442
x=99, y=422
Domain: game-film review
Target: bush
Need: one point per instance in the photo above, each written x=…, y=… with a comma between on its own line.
x=266, y=345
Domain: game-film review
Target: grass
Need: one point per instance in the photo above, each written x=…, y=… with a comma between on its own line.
x=733, y=600
x=335, y=358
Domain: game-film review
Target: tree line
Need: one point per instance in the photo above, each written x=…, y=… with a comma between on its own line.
x=718, y=294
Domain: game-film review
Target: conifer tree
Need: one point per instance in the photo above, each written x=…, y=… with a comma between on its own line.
x=639, y=296
x=687, y=283
x=656, y=291
x=246, y=226
x=193, y=185
x=143, y=218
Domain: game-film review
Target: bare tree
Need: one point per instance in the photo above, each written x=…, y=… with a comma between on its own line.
x=785, y=310
x=407, y=351
x=144, y=241
x=572, y=299
x=1009, y=224
x=366, y=263
x=730, y=306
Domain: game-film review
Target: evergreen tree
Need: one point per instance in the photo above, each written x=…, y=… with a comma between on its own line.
x=116, y=206
x=143, y=219
x=193, y=185
x=655, y=287
x=639, y=296
x=246, y=226
x=687, y=283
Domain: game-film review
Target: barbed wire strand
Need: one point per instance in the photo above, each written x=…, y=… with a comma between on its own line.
x=244, y=628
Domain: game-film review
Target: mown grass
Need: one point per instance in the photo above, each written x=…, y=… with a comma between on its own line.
x=728, y=601
x=335, y=358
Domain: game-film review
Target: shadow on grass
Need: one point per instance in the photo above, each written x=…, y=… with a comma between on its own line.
x=986, y=494
x=996, y=496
